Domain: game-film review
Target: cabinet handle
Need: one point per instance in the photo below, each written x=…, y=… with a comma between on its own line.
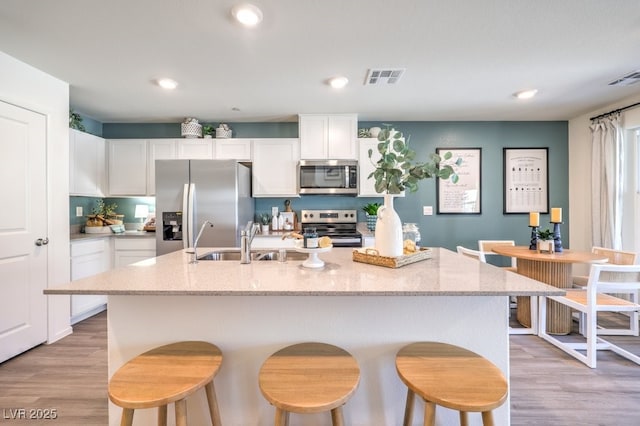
x=42, y=241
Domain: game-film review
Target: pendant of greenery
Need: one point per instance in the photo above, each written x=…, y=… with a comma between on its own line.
x=397, y=170
x=75, y=121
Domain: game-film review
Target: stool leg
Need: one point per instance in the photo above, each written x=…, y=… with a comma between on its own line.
x=282, y=418
x=213, y=404
x=429, y=413
x=181, y=412
x=336, y=417
x=162, y=415
x=408, y=408
x=464, y=418
x=487, y=418
x=127, y=417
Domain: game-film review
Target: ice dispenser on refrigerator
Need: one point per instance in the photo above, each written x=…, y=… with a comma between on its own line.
x=172, y=226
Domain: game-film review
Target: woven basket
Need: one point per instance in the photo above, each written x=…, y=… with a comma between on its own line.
x=223, y=134
x=370, y=255
x=191, y=130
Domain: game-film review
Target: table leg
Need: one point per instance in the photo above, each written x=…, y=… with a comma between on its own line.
x=556, y=274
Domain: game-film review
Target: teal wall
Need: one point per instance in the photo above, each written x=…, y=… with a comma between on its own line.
x=437, y=230
x=126, y=206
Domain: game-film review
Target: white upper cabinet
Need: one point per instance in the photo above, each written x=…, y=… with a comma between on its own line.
x=275, y=167
x=325, y=136
x=159, y=149
x=86, y=164
x=233, y=149
x=195, y=149
x=366, y=187
x=127, y=167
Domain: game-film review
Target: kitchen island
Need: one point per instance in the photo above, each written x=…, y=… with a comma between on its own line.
x=252, y=310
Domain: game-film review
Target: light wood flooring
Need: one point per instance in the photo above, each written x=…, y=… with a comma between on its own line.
x=548, y=387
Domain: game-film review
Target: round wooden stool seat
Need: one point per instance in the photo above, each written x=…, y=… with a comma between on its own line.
x=451, y=377
x=164, y=375
x=309, y=378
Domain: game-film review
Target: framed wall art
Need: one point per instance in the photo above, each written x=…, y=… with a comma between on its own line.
x=526, y=180
x=463, y=197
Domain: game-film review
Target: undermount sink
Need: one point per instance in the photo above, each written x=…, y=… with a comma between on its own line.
x=257, y=255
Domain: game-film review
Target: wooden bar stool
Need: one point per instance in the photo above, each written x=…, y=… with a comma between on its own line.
x=309, y=378
x=164, y=375
x=452, y=377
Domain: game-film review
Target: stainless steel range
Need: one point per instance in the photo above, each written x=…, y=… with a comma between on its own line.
x=339, y=225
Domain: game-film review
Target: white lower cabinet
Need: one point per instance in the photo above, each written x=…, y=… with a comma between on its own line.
x=132, y=250
x=89, y=257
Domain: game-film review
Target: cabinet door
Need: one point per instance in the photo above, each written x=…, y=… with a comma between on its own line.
x=328, y=137
x=86, y=164
x=343, y=133
x=128, y=167
x=366, y=187
x=314, y=133
x=195, y=149
x=132, y=250
x=233, y=149
x=88, y=258
x=159, y=149
x=275, y=166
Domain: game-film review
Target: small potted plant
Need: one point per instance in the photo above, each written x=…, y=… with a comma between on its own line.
x=265, y=221
x=75, y=121
x=208, y=131
x=545, y=241
x=371, y=210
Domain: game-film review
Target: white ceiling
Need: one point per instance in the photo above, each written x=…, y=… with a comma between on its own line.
x=463, y=59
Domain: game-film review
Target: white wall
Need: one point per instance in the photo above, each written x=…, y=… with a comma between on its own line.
x=580, y=170
x=27, y=87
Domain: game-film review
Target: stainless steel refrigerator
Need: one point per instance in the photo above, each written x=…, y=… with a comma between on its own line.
x=190, y=192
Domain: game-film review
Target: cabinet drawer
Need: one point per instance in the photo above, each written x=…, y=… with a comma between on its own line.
x=81, y=248
x=135, y=244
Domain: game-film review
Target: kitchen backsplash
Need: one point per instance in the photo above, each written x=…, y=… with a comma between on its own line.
x=125, y=206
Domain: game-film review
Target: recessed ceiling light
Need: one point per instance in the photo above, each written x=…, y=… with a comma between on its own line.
x=247, y=14
x=526, y=94
x=167, y=83
x=338, y=82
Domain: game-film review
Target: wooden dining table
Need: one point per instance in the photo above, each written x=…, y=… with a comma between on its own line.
x=550, y=268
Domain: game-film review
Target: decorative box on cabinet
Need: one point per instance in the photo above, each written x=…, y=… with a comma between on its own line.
x=325, y=137
x=127, y=167
x=88, y=257
x=275, y=167
x=134, y=249
x=86, y=164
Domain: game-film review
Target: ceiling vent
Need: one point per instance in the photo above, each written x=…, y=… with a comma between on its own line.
x=627, y=80
x=383, y=76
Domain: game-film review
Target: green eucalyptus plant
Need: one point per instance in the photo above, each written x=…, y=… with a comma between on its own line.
x=397, y=170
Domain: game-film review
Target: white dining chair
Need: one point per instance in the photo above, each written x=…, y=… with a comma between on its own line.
x=486, y=247
x=474, y=254
x=603, y=279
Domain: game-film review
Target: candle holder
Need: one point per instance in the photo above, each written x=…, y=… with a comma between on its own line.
x=533, y=244
x=557, y=241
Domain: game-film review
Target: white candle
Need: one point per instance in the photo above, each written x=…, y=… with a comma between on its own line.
x=534, y=219
x=556, y=215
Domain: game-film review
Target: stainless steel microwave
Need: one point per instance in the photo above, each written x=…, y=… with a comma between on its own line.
x=328, y=177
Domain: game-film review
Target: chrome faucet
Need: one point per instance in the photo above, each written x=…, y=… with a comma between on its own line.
x=195, y=243
x=246, y=238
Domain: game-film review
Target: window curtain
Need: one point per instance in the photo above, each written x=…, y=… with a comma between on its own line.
x=606, y=182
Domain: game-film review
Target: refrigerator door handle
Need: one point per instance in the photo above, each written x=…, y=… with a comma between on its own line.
x=185, y=216
x=191, y=214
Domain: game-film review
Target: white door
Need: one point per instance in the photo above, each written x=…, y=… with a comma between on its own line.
x=23, y=220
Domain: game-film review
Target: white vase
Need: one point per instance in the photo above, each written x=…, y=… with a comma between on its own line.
x=388, y=231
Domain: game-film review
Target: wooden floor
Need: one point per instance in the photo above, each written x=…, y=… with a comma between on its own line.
x=548, y=387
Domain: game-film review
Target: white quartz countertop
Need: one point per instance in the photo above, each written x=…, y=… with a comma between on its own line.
x=445, y=274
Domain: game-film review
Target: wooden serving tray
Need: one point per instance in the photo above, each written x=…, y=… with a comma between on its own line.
x=371, y=256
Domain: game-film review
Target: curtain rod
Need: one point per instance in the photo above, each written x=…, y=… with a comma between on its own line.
x=615, y=111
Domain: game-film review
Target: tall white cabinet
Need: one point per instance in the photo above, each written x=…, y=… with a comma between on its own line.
x=87, y=174
x=127, y=167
